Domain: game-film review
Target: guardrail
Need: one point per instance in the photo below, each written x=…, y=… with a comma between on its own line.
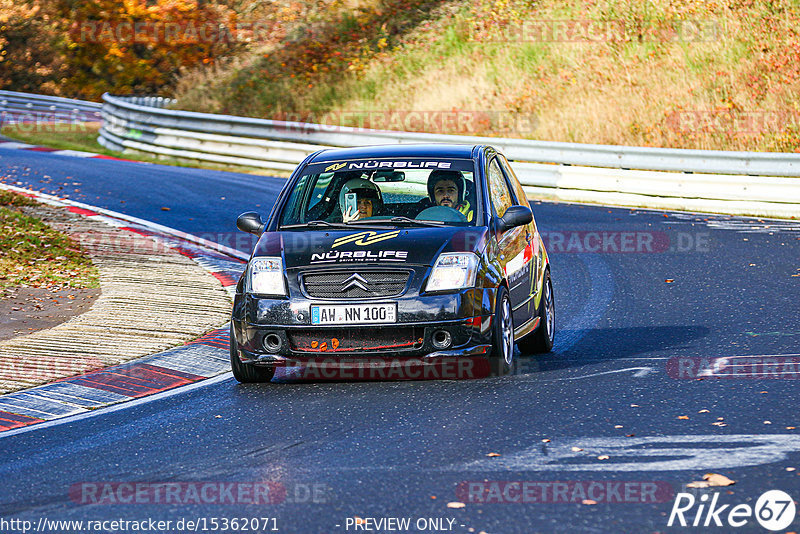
x=695, y=180
x=26, y=108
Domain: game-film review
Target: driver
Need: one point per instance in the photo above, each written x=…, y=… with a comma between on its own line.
x=368, y=197
x=447, y=188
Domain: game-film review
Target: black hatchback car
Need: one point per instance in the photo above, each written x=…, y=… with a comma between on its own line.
x=405, y=251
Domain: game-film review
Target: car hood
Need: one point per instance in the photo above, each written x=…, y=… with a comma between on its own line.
x=337, y=248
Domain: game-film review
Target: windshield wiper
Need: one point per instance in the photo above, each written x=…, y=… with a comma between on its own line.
x=316, y=223
x=415, y=221
x=312, y=224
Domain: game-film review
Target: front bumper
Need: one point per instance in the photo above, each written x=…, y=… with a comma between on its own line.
x=271, y=331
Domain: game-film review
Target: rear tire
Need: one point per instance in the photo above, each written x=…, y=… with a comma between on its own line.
x=502, y=357
x=541, y=339
x=247, y=373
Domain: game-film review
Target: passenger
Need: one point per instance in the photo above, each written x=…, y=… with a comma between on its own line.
x=368, y=197
x=448, y=188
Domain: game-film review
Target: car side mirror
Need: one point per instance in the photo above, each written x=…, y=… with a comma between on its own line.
x=515, y=216
x=251, y=223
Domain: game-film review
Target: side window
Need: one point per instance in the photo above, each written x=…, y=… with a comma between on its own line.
x=292, y=207
x=320, y=188
x=522, y=198
x=498, y=190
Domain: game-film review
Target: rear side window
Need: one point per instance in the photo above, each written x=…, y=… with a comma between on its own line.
x=519, y=192
x=498, y=190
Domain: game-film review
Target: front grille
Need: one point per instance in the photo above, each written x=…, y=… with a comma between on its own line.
x=356, y=339
x=350, y=285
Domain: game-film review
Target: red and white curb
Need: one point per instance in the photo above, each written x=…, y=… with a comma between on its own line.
x=203, y=358
x=57, y=152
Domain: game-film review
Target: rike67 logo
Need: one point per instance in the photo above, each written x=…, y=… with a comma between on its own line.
x=774, y=510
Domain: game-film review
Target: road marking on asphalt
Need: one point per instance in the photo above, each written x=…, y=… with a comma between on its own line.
x=640, y=372
x=666, y=453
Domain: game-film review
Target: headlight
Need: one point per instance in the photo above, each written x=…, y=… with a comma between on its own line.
x=453, y=271
x=265, y=276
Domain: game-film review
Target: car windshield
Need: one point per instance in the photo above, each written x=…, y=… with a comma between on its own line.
x=398, y=192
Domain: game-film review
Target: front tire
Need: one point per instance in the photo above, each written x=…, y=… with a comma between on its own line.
x=502, y=356
x=247, y=373
x=541, y=339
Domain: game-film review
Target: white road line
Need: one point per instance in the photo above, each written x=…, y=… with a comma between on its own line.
x=640, y=372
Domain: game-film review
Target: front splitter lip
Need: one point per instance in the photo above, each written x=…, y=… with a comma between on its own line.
x=356, y=359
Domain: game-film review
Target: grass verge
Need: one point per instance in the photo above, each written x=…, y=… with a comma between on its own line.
x=32, y=254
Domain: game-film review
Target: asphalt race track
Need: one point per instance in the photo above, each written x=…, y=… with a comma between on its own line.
x=615, y=416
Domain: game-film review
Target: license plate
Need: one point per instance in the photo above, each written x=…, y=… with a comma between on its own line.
x=354, y=314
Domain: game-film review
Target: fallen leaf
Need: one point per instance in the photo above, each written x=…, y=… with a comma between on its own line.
x=767, y=422
x=456, y=504
x=683, y=417
x=603, y=457
x=629, y=435
x=433, y=497
x=790, y=468
x=545, y=441
x=588, y=501
x=703, y=411
x=719, y=423
x=718, y=480
x=617, y=426
x=576, y=449
x=711, y=480
x=634, y=405
x=669, y=280
x=218, y=417
x=492, y=455
x=163, y=208
x=790, y=428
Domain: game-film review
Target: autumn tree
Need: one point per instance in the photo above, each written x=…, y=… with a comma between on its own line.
x=30, y=60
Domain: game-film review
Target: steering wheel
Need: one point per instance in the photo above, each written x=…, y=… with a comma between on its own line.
x=441, y=213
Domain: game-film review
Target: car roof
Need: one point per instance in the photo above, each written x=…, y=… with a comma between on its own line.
x=397, y=151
